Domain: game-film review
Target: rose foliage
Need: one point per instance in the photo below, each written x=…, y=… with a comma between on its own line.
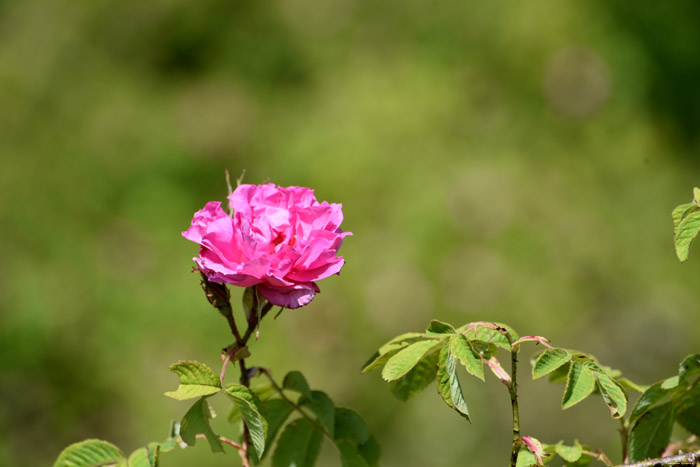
x=281, y=240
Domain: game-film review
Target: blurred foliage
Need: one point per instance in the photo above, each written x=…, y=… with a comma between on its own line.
x=496, y=161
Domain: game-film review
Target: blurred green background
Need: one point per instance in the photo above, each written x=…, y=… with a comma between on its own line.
x=509, y=161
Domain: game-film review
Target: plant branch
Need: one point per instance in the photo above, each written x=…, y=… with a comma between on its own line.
x=687, y=459
x=513, y=390
x=600, y=455
x=284, y=397
x=624, y=435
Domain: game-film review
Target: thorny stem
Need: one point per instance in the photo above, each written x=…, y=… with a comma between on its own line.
x=687, y=459
x=513, y=389
x=219, y=296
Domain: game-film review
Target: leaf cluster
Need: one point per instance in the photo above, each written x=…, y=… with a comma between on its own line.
x=269, y=414
x=675, y=400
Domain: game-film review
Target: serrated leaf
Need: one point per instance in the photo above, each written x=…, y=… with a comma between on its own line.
x=295, y=381
x=651, y=434
x=465, y=353
x=687, y=230
x=389, y=349
x=350, y=426
x=569, y=453
x=196, y=380
x=486, y=334
x=195, y=422
x=322, y=406
x=253, y=414
x=278, y=411
x=579, y=385
x=89, y=453
x=613, y=394
x=535, y=447
x=298, y=445
x=679, y=212
x=548, y=361
x=439, y=328
x=448, y=383
x=407, y=358
x=417, y=379
x=656, y=394
x=370, y=451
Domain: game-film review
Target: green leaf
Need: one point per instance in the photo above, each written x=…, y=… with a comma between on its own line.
x=253, y=414
x=651, y=434
x=493, y=336
x=417, y=379
x=370, y=451
x=632, y=386
x=653, y=396
x=407, y=358
x=679, y=212
x=298, y=445
x=350, y=426
x=689, y=418
x=89, y=453
x=389, y=349
x=349, y=455
x=448, y=383
x=465, y=353
x=145, y=457
x=569, y=453
x=687, y=230
x=196, y=380
x=196, y=421
x=321, y=405
x=278, y=411
x=613, y=394
x=295, y=381
x=580, y=383
x=689, y=370
x=438, y=328
x=526, y=459
x=548, y=361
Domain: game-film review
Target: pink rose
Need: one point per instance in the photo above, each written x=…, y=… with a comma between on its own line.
x=280, y=239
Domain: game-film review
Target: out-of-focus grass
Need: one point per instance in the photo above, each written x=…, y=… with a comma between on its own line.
x=509, y=162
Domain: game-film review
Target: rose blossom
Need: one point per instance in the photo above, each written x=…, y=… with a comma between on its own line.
x=280, y=239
